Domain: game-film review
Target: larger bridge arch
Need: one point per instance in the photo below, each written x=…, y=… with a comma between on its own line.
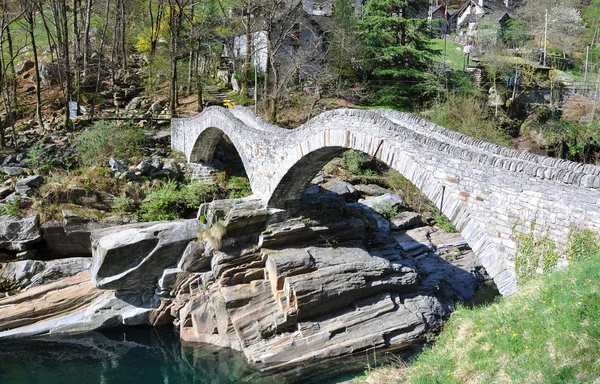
x=487, y=190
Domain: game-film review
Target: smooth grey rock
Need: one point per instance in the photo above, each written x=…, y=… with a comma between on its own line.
x=145, y=167
x=19, y=234
x=116, y=165
x=71, y=236
x=34, y=181
x=193, y=258
x=171, y=165
x=383, y=204
x=33, y=273
x=168, y=281
x=5, y=191
x=342, y=188
x=12, y=171
x=108, y=310
x=371, y=189
x=129, y=176
x=405, y=220
x=133, y=257
x=155, y=107
x=24, y=66
x=134, y=104
x=164, y=174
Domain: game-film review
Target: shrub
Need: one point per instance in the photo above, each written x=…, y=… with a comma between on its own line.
x=170, y=201
x=11, y=208
x=233, y=187
x=352, y=162
x=442, y=221
x=470, y=116
x=104, y=140
x=582, y=244
x=535, y=255
x=36, y=157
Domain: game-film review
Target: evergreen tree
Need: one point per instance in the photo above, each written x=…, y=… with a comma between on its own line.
x=345, y=46
x=397, y=50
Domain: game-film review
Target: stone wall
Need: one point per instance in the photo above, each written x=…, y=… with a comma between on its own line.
x=488, y=192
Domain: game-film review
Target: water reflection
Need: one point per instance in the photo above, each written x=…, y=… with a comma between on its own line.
x=149, y=355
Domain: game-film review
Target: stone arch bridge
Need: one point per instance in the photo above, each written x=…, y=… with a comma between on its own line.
x=487, y=191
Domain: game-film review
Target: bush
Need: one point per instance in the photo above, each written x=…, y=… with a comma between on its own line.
x=535, y=255
x=170, y=201
x=468, y=115
x=582, y=244
x=104, y=140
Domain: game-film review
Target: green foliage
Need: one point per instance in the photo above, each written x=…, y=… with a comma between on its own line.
x=233, y=187
x=36, y=156
x=412, y=196
x=11, y=208
x=7, y=285
x=582, y=244
x=104, y=140
x=170, y=200
x=397, y=50
x=352, y=162
x=468, y=115
x=442, y=221
x=123, y=204
x=547, y=333
x=344, y=43
x=536, y=254
x=572, y=140
x=515, y=35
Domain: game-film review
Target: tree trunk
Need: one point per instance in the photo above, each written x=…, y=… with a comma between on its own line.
x=38, y=98
x=11, y=63
x=98, y=69
x=65, y=48
x=247, y=57
x=86, y=35
x=123, y=33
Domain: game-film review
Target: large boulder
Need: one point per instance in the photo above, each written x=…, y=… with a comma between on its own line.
x=342, y=188
x=19, y=234
x=133, y=257
x=385, y=205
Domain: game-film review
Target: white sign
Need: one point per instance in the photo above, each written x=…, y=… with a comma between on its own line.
x=73, y=110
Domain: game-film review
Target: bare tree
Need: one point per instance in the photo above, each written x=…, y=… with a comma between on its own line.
x=29, y=9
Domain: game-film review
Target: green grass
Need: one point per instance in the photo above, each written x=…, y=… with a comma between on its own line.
x=454, y=53
x=547, y=333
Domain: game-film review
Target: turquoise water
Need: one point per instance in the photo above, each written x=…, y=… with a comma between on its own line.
x=149, y=355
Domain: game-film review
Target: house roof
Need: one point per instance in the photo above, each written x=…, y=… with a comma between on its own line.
x=434, y=8
x=491, y=9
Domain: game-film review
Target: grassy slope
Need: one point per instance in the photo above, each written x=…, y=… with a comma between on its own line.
x=547, y=333
x=454, y=53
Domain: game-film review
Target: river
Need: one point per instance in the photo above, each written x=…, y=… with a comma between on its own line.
x=154, y=355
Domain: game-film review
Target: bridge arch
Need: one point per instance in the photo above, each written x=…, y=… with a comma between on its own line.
x=488, y=191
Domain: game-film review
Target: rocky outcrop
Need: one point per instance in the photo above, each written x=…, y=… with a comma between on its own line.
x=318, y=280
x=33, y=273
x=68, y=306
x=133, y=257
x=19, y=234
x=324, y=284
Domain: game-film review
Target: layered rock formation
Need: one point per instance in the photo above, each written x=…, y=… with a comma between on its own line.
x=317, y=280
